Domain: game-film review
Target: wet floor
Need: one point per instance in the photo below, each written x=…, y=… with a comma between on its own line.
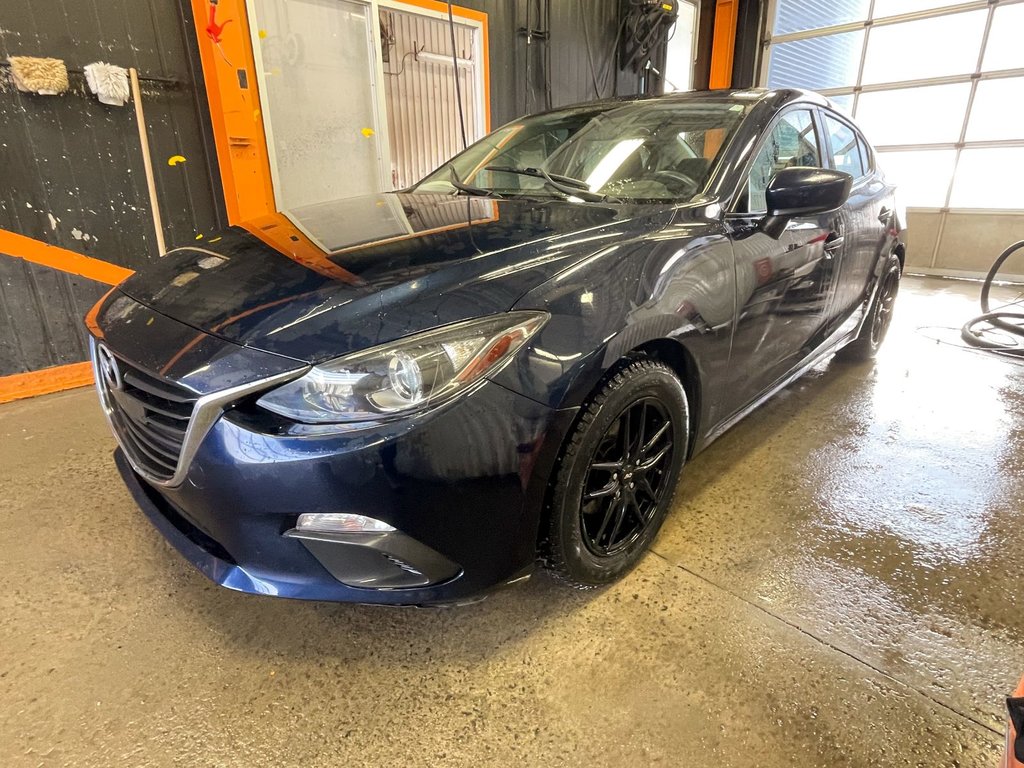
x=836, y=585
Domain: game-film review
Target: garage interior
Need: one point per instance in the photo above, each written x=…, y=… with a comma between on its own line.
x=835, y=583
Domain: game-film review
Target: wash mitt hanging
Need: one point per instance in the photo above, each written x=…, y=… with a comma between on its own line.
x=109, y=82
x=47, y=77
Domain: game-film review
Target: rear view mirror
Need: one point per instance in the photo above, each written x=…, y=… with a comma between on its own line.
x=803, y=192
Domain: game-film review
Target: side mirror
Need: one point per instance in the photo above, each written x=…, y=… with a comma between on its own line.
x=803, y=192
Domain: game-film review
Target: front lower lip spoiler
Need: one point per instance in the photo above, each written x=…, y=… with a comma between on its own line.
x=386, y=560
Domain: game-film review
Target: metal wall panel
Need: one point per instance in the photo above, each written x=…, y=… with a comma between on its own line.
x=72, y=172
x=568, y=56
x=423, y=121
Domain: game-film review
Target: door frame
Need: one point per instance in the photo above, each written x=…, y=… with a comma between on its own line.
x=380, y=128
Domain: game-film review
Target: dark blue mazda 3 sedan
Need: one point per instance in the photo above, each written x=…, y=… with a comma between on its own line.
x=408, y=398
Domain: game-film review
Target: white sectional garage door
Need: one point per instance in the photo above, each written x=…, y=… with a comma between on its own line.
x=939, y=90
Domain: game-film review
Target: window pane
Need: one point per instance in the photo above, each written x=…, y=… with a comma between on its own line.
x=314, y=112
x=1004, y=49
x=921, y=177
x=998, y=110
x=937, y=114
x=843, y=103
x=679, y=51
x=816, y=63
x=982, y=182
x=947, y=45
x=800, y=15
x=792, y=143
x=885, y=8
x=845, y=153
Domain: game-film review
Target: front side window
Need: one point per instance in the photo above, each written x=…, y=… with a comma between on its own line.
x=653, y=151
x=845, y=152
x=792, y=143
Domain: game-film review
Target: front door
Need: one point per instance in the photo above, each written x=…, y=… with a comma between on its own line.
x=782, y=286
x=865, y=219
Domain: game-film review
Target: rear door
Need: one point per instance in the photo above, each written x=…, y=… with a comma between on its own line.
x=782, y=286
x=863, y=223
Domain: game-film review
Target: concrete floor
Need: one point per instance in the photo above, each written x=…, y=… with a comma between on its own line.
x=837, y=585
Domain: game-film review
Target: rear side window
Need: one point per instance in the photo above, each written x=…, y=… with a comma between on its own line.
x=845, y=150
x=791, y=143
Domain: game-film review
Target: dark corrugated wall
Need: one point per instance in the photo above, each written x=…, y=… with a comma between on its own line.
x=71, y=169
x=573, y=24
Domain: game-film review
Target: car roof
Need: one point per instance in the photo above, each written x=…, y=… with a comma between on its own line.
x=772, y=98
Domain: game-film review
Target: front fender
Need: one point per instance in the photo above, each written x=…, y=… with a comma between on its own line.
x=676, y=288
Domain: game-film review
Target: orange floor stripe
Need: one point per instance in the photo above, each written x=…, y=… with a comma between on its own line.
x=21, y=247
x=44, y=381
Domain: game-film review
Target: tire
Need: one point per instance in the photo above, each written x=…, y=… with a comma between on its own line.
x=607, y=506
x=879, y=317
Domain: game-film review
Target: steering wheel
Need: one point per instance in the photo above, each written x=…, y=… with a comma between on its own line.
x=678, y=176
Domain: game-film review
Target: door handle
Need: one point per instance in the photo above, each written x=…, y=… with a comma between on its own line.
x=884, y=215
x=832, y=244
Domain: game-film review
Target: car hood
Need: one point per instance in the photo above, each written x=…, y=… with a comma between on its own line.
x=341, y=276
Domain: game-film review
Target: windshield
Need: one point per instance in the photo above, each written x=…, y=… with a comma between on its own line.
x=641, y=152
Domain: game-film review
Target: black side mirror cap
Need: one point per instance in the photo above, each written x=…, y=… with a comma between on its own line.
x=803, y=192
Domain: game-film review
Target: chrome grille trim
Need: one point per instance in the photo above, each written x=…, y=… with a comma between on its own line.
x=161, y=442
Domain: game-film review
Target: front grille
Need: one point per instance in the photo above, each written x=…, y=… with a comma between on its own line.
x=149, y=414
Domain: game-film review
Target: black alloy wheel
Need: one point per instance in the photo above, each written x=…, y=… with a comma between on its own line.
x=879, y=317
x=616, y=475
x=886, y=303
x=626, y=479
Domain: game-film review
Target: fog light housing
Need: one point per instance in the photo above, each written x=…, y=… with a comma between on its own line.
x=340, y=522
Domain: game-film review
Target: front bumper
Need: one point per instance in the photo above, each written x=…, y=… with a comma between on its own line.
x=463, y=487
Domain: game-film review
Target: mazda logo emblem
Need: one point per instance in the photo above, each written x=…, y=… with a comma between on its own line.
x=109, y=370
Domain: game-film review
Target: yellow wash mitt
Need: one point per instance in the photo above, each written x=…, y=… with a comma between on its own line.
x=47, y=77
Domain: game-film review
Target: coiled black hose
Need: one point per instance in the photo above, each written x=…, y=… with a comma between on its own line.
x=974, y=331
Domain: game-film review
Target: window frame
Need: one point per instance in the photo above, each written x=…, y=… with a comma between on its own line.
x=748, y=165
x=866, y=163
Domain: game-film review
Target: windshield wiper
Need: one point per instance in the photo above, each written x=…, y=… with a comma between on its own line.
x=564, y=184
x=468, y=188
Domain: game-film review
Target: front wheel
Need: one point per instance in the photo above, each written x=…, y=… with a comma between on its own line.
x=616, y=475
x=879, y=318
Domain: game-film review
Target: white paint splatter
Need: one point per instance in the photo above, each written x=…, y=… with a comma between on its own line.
x=28, y=205
x=53, y=221
x=76, y=233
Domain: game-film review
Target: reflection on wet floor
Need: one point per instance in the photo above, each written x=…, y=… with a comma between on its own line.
x=876, y=506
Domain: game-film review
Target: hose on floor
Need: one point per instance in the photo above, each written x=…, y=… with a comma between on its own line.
x=997, y=330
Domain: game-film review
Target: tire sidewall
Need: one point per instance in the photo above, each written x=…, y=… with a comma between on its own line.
x=652, y=381
x=892, y=266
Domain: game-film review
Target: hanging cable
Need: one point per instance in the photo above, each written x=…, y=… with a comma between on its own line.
x=548, y=98
x=996, y=329
x=590, y=55
x=455, y=74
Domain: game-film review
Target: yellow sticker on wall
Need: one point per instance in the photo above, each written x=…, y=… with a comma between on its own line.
x=263, y=34
x=367, y=132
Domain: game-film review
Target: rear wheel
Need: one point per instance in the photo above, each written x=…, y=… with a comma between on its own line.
x=616, y=475
x=876, y=324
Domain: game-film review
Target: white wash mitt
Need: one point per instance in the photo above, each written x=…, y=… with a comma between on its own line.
x=47, y=77
x=109, y=82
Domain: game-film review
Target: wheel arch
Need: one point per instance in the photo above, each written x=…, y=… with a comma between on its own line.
x=672, y=352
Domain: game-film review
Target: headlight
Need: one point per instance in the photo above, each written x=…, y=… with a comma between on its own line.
x=406, y=375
